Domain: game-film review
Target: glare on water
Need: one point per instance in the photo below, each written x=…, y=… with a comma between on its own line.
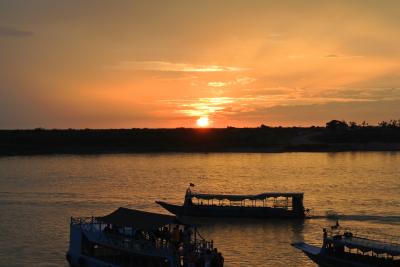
x=39, y=193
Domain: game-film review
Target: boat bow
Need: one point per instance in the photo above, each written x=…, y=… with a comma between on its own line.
x=174, y=209
x=306, y=248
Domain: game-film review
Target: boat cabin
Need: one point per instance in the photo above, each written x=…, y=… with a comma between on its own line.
x=351, y=247
x=288, y=201
x=129, y=237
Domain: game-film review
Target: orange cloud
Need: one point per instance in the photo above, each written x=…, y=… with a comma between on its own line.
x=174, y=67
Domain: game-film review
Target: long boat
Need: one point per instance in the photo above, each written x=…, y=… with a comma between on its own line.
x=128, y=238
x=264, y=205
x=345, y=249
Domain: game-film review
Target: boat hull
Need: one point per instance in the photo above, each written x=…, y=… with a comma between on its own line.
x=329, y=261
x=229, y=211
x=323, y=259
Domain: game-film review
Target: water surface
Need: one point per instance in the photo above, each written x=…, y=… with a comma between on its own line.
x=39, y=193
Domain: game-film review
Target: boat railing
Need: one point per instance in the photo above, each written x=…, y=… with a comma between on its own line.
x=96, y=232
x=201, y=243
x=131, y=244
x=247, y=203
x=82, y=220
x=365, y=238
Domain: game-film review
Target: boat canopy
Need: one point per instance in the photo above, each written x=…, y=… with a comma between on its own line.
x=243, y=197
x=367, y=245
x=143, y=220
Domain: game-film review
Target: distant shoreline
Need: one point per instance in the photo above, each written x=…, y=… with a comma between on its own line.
x=266, y=151
x=187, y=140
x=316, y=148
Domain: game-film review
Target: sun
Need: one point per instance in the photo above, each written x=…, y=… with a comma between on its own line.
x=202, y=122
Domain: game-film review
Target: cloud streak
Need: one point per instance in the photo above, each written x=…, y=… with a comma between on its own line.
x=269, y=98
x=237, y=81
x=6, y=31
x=165, y=66
x=337, y=56
x=201, y=106
x=318, y=114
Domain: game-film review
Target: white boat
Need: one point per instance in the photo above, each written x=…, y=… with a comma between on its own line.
x=129, y=237
x=343, y=248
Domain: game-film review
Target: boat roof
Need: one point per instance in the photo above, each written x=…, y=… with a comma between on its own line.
x=366, y=245
x=138, y=219
x=243, y=197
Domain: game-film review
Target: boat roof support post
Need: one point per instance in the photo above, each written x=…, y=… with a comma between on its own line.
x=195, y=235
x=297, y=204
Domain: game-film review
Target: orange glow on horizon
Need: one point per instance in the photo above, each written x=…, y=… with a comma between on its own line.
x=182, y=64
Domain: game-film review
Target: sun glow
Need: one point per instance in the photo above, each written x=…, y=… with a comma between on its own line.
x=202, y=122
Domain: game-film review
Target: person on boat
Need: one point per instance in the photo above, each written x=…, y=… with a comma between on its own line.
x=165, y=233
x=214, y=258
x=180, y=235
x=191, y=259
x=217, y=259
x=107, y=229
x=200, y=261
x=187, y=234
x=207, y=258
x=175, y=236
x=220, y=260
x=188, y=197
x=325, y=236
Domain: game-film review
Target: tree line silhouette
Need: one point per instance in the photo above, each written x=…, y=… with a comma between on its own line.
x=334, y=124
x=337, y=135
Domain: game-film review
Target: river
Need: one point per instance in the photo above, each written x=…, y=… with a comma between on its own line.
x=38, y=194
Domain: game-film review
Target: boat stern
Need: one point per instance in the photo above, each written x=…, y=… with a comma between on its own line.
x=75, y=242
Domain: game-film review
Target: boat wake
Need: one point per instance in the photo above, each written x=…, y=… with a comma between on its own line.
x=390, y=219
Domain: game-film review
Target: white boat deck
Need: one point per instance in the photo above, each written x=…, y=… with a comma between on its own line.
x=307, y=248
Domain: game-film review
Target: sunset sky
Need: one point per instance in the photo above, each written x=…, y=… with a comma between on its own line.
x=124, y=64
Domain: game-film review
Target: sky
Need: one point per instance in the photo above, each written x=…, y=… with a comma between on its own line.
x=134, y=64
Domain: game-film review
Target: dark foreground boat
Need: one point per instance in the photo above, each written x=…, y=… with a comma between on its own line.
x=265, y=205
x=343, y=248
x=127, y=238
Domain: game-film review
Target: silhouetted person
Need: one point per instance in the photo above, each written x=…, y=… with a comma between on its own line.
x=175, y=236
x=107, y=229
x=221, y=260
